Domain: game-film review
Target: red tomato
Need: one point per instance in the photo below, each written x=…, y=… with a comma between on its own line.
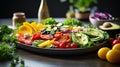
x=62, y=46
x=28, y=42
x=36, y=36
x=115, y=42
x=21, y=36
x=63, y=41
x=68, y=40
x=73, y=45
x=56, y=43
x=46, y=37
x=21, y=40
x=58, y=35
x=68, y=46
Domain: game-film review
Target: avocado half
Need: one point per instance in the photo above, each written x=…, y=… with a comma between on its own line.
x=112, y=31
x=113, y=27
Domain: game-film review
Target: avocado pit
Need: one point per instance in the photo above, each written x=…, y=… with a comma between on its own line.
x=107, y=24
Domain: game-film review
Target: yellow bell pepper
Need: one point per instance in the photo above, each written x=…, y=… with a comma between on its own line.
x=46, y=43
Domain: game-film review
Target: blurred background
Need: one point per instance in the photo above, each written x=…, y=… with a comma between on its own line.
x=56, y=8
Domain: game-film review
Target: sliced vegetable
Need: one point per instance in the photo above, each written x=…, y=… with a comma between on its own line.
x=80, y=39
x=46, y=43
x=37, y=42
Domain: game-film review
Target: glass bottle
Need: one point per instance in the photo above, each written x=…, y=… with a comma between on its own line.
x=43, y=12
x=18, y=17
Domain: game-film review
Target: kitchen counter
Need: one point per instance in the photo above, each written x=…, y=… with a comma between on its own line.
x=39, y=60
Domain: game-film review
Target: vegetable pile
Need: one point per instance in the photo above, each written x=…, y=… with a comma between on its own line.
x=69, y=34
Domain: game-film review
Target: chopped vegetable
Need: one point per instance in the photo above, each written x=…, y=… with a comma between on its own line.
x=36, y=42
x=46, y=43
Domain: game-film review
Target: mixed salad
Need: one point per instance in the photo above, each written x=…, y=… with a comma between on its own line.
x=69, y=34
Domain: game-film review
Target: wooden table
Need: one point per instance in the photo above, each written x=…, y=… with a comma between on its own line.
x=40, y=60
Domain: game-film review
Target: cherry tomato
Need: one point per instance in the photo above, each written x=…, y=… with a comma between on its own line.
x=28, y=42
x=58, y=35
x=115, y=42
x=56, y=43
x=62, y=46
x=21, y=36
x=63, y=41
x=46, y=37
x=68, y=40
x=21, y=40
x=68, y=46
x=73, y=45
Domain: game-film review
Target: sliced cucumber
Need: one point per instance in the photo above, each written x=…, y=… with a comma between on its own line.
x=80, y=39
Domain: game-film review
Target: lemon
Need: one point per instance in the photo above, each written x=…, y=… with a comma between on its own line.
x=113, y=56
x=102, y=52
x=116, y=47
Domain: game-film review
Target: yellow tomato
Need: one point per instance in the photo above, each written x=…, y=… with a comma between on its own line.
x=113, y=56
x=102, y=52
x=116, y=47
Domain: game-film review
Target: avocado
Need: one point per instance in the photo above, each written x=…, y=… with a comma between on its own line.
x=111, y=30
x=110, y=26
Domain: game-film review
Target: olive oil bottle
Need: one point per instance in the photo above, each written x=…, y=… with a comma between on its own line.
x=43, y=11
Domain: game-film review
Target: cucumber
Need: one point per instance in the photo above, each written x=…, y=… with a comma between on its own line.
x=80, y=38
x=94, y=34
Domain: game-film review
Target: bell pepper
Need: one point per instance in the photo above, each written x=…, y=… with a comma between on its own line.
x=46, y=43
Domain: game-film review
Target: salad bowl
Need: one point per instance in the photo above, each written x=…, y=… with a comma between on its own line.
x=99, y=18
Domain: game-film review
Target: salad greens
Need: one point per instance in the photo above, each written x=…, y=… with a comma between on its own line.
x=49, y=21
x=72, y=22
